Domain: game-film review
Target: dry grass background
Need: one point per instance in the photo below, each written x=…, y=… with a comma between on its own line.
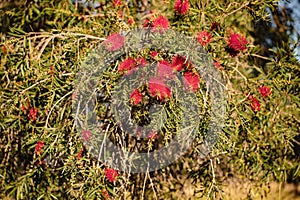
x=232, y=189
x=237, y=191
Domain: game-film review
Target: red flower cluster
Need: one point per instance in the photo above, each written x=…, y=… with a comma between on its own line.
x=204, y=38
x=191, y=80
x=130, y=21
x=146, y=23
x=236, y=43
x=141, y=61
x=218, y=65
x=136, y=97
x=117, y=3
x=167, y=70
x=158, y=89
x=105, y=194
x=51, y=71
x=79, y=155
x=127, y=65
x=160, y=23
x=114, y=42
x=152, y=135
x=86, y=135
x=120, y=14
x=130, y=63
x=39, y=147
x=265, y=91
x=153, y=54
x=181, y=6
x=4, y=50
x=178, y=63
x=33, y=112
x=164, y=69
x=254, y=103
x=111, y=174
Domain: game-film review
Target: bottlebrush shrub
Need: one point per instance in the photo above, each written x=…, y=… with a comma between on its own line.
x=42, y=155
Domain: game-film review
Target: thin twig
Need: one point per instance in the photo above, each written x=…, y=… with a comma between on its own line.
x=214, y=179
x=234, y=11
x=262, y=57
x=145, y=180
x=33, y=85
x=46, y=125
x=152, y=185
x=99, y=155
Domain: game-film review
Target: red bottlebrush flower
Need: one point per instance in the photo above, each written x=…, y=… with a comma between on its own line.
x=39, y=147
x=158, y=89
x=33, y=112
x=51, y=71
x=120, y=14
x=127, y=64
x=204, y=38
x=136, y=97
x=164, y=69
x=214, y=26
x=86, y=135
x=141, y=61
x=192, y=80
x=265, y=91
x=237, y=42
x=39, y=162
x=254, y=104
x=4, y=50
x=218, y=65
x=146, y=23
x=178, y=63
x=111, y=174
x=105, y=194
x=181, y=6
x=117, y=3
x=154, y=54
x=160, y=23
x=79, y=155
x=114, y=42
x=152, y=135
x=130, y=21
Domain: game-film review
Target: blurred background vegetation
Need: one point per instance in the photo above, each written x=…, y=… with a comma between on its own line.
x=42, y=45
